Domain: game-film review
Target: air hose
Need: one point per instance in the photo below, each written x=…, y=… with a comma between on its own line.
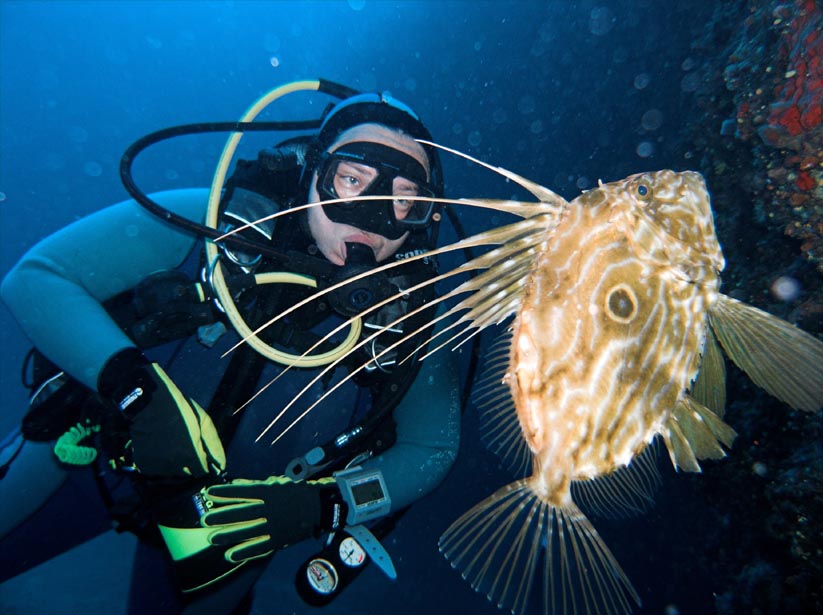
x=217, y=278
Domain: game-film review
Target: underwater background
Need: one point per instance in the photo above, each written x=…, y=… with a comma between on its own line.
x=563, y=93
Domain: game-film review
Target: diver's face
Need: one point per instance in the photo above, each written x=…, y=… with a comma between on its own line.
x=331, y=237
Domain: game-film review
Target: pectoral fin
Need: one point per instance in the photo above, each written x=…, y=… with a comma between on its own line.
x=778, y=357
x=710, y=385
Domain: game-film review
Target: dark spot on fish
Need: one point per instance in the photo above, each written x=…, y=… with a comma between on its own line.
x=621, y=304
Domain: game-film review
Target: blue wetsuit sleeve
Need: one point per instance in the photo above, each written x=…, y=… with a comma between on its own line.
x=56, y=290
x=428, y=433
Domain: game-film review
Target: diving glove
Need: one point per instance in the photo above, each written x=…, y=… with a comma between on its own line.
x=222, y=527
x=252, y=518
x=170, y=435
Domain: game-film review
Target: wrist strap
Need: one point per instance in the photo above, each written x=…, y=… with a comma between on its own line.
x=127, y=382
x=333, y=509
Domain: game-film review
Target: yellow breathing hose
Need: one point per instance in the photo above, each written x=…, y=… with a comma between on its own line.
x=219, y=281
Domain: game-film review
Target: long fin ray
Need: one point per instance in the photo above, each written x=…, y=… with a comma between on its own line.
x=348, y=323
x=504, y=308
x=335, y=363
x=546, y=196
x=497, y=236
x=358, y=369
x=492, y=311
x=523, y=231
x=522, y=209
x=488, y=301
x=355, y=371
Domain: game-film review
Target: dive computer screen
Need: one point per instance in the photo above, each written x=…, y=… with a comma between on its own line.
x=367, y=491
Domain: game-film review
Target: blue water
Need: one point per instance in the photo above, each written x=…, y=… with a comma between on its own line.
x=563, y=93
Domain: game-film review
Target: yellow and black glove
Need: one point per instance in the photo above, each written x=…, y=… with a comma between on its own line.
x=253, y=518
x=171, y=436
x=224, y=526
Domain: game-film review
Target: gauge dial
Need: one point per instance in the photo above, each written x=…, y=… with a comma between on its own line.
x=351, y=552
x=322, y=576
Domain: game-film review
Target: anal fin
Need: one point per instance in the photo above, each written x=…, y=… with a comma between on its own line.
x=626, y=492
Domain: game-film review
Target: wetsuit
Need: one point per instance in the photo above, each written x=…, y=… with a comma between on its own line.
x=56, y=293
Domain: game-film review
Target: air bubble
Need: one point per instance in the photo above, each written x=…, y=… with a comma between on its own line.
x=271, y=43
x=93, y=169
x=54, y=161
x=645, y=149
x=601, y=21
x=652, y=119
x=786, y=288
x=642, y=80
x=78, y=134
x=690, y=82
x=526, y=105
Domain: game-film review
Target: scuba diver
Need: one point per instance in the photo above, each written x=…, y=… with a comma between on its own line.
x=118, y=383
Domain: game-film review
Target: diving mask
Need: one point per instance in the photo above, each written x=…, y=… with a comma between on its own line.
x=371, y=169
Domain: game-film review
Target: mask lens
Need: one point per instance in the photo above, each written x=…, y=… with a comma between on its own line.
x=346, y=179
x=370, y=169
x=411, y=211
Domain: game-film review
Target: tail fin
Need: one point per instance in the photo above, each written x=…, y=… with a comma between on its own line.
x=497, y=544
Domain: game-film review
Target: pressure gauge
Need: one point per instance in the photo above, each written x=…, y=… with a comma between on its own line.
x=322, y=576
x=351, y=553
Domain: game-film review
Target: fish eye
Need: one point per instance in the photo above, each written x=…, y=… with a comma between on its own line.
x=643, y=190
